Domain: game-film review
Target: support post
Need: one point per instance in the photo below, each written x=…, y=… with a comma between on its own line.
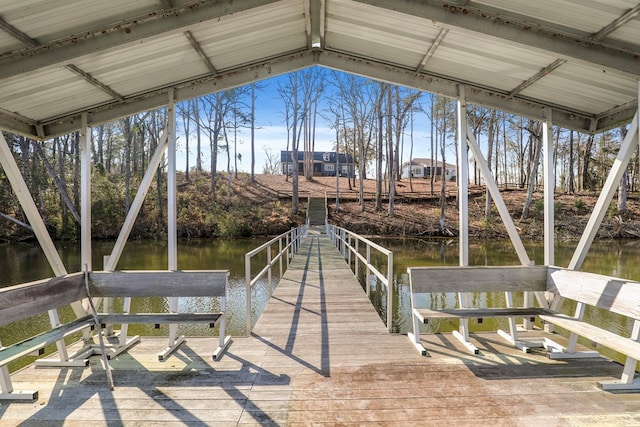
x=463, y=178
x=85, y=194
x=549, y=188
x=172, y=236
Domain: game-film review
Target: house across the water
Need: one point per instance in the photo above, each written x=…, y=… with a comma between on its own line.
x=423, y=168
x=324, y=163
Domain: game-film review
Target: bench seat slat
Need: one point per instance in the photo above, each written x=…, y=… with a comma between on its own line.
x=470, y=313
x=159, y=317
x=596, y=334
x=15, y=351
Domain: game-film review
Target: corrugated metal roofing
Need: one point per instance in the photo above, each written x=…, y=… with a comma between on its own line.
x=60, y=58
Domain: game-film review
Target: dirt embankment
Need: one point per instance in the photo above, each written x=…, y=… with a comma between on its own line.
x=417, y=210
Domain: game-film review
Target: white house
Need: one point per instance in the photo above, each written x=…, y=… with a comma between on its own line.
x=423, y=168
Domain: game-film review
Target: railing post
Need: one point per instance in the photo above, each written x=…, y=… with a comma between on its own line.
x=390, y=292
x=349, y=250
x=287, y=242
x=357, y=252
x=280, y=252
x=368, y=270
x=293, y=242
x=269, y=277
x=247, y=272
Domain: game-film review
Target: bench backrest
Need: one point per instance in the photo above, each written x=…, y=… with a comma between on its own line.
x=149, y=283
x=477, y=279
x=610, y=293
x=28, y=299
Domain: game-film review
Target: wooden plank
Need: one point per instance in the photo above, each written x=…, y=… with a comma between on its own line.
x=598, y=335
x=160, y=318
x=147, y=283
x=478, y=313
x=609, y=293
x=28, y=299
x=15, y=351
x=477, y=279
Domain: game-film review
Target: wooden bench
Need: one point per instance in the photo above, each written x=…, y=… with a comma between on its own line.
x=464, y=281
x=612, y=294
x=618, y=296
x=27, y=300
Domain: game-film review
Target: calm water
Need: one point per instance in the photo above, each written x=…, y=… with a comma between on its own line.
x=25, y=262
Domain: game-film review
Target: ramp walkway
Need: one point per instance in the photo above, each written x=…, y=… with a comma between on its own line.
x=320, y=355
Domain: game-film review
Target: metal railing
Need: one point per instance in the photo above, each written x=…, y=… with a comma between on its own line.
x=288, y=243
x=343, y=239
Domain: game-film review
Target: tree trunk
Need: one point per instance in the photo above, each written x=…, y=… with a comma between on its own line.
x=490, y=140
x=533, y=172
x=624, y=181
x=587, y=178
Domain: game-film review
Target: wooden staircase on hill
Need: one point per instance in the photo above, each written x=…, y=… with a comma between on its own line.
x=316, y=211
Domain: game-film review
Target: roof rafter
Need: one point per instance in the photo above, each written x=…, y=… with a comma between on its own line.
x=186, y=90
x=196, y=46
x=26, y=39
x=432, y=49
x=503, y=26
x=16, y=33
x=315, y=11
x=449, y=87
x=617, y=23
x=65, y=51
x=539, y=75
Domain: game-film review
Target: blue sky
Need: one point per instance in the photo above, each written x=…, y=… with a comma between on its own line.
x=271, y=132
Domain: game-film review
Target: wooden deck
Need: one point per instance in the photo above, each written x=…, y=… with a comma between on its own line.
x=320, y=355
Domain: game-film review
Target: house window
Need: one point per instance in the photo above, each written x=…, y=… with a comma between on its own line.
x=329, y=167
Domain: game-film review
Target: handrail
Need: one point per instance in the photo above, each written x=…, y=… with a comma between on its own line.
x=293, y=239
x=342, y=239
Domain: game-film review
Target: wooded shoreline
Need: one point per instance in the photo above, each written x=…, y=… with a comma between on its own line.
x=264, y=208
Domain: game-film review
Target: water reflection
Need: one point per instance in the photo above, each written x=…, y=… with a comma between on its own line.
x=24, y=262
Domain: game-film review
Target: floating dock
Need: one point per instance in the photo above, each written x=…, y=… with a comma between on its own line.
x=321, y=355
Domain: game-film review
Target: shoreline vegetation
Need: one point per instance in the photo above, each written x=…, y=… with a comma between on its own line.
x=243, y=209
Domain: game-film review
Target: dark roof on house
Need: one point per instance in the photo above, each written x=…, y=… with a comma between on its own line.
x=318, y=156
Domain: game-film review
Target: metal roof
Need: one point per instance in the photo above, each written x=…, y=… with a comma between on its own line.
x=62, y=58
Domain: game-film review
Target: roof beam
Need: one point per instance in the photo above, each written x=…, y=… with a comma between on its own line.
x=196, y=46
x=34, y=44
x=432, y=49
x=65, y=51
x=315, y=11
x=504, y=27
x=449, y=87
x=540, y=74
x=617, y=23
x=95, y=82
x=17, y=34
x=158, y=98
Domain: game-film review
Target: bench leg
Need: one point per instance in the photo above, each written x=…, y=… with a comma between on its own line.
x=556, y=351
x=415, y=335
x=7, y=393
x=223, y=340
x=627, y=380
x=463, y=334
